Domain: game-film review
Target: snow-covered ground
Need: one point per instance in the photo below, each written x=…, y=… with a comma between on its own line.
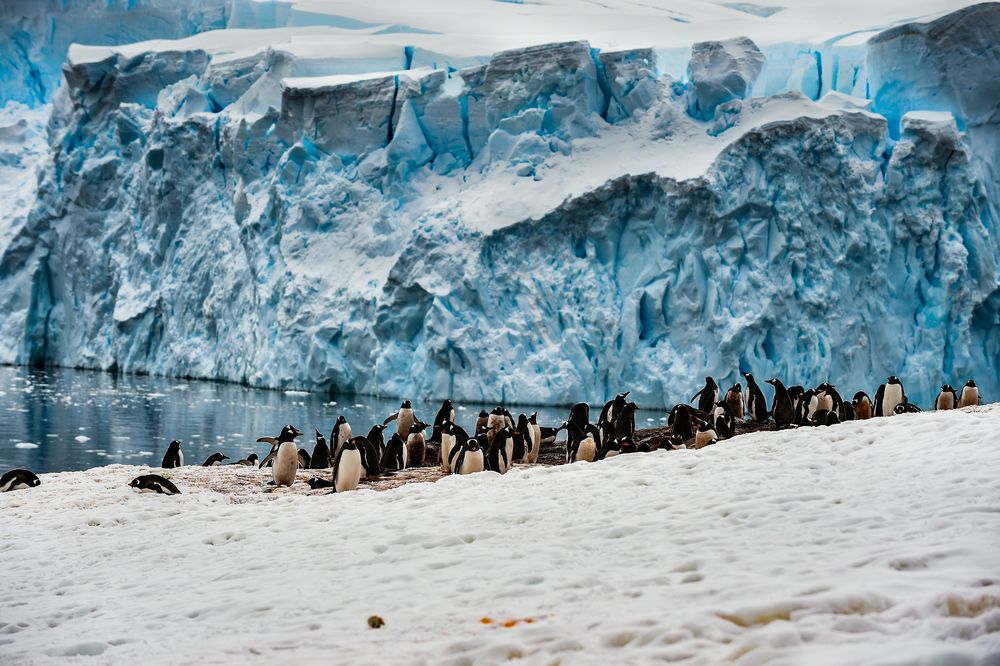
x=867, y=543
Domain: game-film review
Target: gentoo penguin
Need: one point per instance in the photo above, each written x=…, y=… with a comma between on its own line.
x=892, y=395
x=315, y=483
x=468, y=457
x=877, y=402
x=371, y=459
x=734, y=401
x=496, y=420
x=403, y=419
x=214, y=459
x=416, y=445
x=625, y=421
x=394, y=456
x=153, y=483
x=970, y=394
x=303, y=457
x=347, y=467
x=174, y=457
x=580, y=445
x=706, y=435
x=341, y=433
x=673, y=443
x=824, y=401
x=612, y=408
x=795, y=393
x=508, y=418
x=501, y=451
x=709, y=395
x=579, y=415
x=862, y=406
x=781, y=406
x=536, y=436
x=249, y=461
x=946, y=399
x=682, y=423
x=375, y=437
x=284, y=454
x=613, y=448
x=756, y=404
x=808, y=405
x=445, y=415
x=723, y=421
x=527, y=437
x=450, y=436
x=905, y=408
x=18, y=479
x=831, y=400
x=482, y=420
x=321, y=453
x=846, y=411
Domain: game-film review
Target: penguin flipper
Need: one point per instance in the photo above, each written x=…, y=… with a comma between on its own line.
x=273, y=441
x=391, y=418
x=268, y=458
x=695, y=396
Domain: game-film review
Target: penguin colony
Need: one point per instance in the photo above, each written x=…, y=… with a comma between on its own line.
x=498, y=441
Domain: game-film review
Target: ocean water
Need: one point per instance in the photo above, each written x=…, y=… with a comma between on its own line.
x=61, y=420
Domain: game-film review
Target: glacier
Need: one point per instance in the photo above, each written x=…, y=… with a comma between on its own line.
x=305, y=200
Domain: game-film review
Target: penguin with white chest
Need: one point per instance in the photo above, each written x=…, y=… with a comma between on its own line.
x=448, y=440
x=403, y=419
x=284, y=454
x=154, y=483
x=416, y=446
x=174, y=456
x=341, y=433
x=892, y=395
x=862, y=406
x=501, y=451
x=347, y=467
x=734, y=401
x=970, y=395
x=536, y=436
x=445, y=415
x=580, y=445
x=946, y=399
x=18, y=479
x=214, y=459
x=467, y=456
x=756, y=403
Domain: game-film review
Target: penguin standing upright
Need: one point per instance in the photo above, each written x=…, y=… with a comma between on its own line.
x=375, y=437
x=970, y=394
x=347, y=467
x=285, y=455
x=482, y=421
x=395, y=454
x=303, y=456
x=495, y=421
x=613, y=407
x=445, y=415
x=756, y=403
x=682, y=424
x=709, y=395
x=527, y=435
x=174, y=456
x=796, y=393
x=734, y=401
x=321, y=453
x=501, y=452
x=580, y=445
x=214, y=459
x=946, y=399
x=862, y=406
x=723, y=421
x=806, y=406
x=468, y=456
x=781, y=406
x=536, y=434
x=625, y=421
x=579, y=415
x=416, y=445
x=18, y=479
x=403, y=419
x=451, y=434
x=877, y=402
x=892, y=395
x=341, y=433
x=371, y=459
x=705, y=435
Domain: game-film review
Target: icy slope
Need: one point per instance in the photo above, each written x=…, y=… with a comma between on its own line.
x=873, y=542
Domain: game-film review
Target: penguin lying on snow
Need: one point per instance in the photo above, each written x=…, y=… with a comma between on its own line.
x=905, y=408
x=18, y=479
x=174, y=456
x=249, y=461
x=214, y=459
x=154, y=483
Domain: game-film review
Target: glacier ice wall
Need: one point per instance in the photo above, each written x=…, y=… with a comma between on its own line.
x=241, y=220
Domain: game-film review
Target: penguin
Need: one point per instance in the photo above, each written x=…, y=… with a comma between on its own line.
x=321, y=453
x=403, y=419
x=214, y=459
x=451, y=435
x=823, y=417
x=673, y=443
x=416, y=445
x=734, y=401
x=347, y=467
x=905, y=408
x=580, y=445
x=19, y=479
x=315, y=483
x=862, y=406
x=495, y=421
x=781, y=406
x=341, y=433
x=823, y=400
x=445, y=415
x=303, y=459
x=877, y=403
x=613, y=407
x=371, y=459
x=526, y=433
x=946, y=399
x=579, y=415
x=501, y=452
x=682, y=424
x=892, y=395
x=153, y=483
x=249, y=461
x=705, y=435
x=723, y=421
x=482, y=420
x=625, y=421
x=467, y=457
x=536, y=436
x=832, y=401
x=284, y=454
x=795, y=393
x=846, y=411
x=709, y=395
x=394, y=456
x=174, y=457
x=508, y=418
x=808, y=405
x=376, y=438
x=756, y=404
x=970, y=394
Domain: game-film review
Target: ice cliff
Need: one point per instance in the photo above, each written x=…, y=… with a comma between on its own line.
x=547, y=224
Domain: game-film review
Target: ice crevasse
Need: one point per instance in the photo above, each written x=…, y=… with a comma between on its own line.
x=553, y=223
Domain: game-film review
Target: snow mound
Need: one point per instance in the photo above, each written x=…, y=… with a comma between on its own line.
x=869, y=542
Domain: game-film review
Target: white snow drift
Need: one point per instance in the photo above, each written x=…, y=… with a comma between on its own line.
x=871, y=542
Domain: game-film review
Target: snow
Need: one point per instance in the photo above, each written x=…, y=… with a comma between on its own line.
x=869, y=542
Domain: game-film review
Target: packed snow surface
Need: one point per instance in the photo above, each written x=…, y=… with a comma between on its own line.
x=872, y=542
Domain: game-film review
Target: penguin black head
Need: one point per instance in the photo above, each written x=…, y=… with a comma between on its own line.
x=355, y=442
x=134, y=483
x=971, y=383
x=893, y=379
x=377, y=426
x=738, y=387
x=859, y=396
x=406, y=405
x=483, y=413
x=948, y=389
x=710, y=382
x=253, y=458
x=289, y=433
x=174, y=444
x=497, y=411
x=417, y=426
x=341, y=420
